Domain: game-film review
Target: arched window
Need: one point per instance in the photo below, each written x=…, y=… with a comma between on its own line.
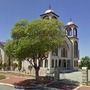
x=75, y=32
x=59, y=63
x=46, y=63
x=55, y=63
x=54, y=17
x=55, y=52
x=64, y=52
x=75, y=49
x=52, y=63
x=41, y=63
x=0, y=55
x=45, y=17
x=69, y=32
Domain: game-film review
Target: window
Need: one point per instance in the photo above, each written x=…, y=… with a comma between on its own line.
x=59, y=63
x=41, y=63
x=63, y=52
x=75, y=49
x=68, y=64
x=45, y=17
x=52, y=64
x=54, y=17
x=46, y=63
x=55, y=52
x=75, y=32
x=64, y=63
x=69, y=32
x=76, y=63
x=0, y=55
x=55, y=63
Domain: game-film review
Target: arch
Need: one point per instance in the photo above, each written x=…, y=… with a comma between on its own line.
x=69, y=32
x=45, y=17
x=46, y=63
x=55, y=52
x=64, y=52
x=75, y=32
x=75, y=49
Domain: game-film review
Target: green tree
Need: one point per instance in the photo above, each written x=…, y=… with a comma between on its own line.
x=35, y=39
x=8, y=50
x=85, y=62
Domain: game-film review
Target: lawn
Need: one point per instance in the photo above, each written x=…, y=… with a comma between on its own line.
x=2, y=77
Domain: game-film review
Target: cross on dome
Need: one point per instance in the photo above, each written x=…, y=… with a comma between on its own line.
x=70, y=22
x=49, y=10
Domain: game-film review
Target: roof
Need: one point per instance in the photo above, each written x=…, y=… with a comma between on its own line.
x=48, y=11
x=70, y=22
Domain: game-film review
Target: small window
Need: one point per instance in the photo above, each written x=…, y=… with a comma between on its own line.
x=63, y=52
x=75, y=49
x=75, y=32
x=55, y=52
x=52, y=64
x=59, y=63
x=64, y=63
x=69, y=32
x=41, y=63
x=55, y=63
x=45, y=17
x=46, y=63
x=75, y=63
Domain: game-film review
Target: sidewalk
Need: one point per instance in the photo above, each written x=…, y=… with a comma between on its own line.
x=12, y=79
x=84, y=88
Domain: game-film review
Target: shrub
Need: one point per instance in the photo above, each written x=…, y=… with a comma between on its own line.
x=4, y=66
x=30, y=67
x=2, y=77
x=14, y=66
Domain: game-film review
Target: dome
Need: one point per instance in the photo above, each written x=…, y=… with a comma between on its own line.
x=48, y=11
x=70, y=23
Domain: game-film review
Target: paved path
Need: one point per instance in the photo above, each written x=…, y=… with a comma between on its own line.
x=84, y=88
x=12, y=79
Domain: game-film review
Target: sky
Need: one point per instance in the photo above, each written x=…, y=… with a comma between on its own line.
x=12, y=11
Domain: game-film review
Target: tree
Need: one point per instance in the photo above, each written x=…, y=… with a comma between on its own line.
x=33, y=40
x=85, y=62
x=8, y=50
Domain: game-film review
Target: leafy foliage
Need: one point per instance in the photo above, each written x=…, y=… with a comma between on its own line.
x=85, y=62
x=34, y=40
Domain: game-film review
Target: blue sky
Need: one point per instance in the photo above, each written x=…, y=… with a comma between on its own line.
x=12, y=11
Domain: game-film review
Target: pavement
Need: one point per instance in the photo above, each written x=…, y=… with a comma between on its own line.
x=13, y=79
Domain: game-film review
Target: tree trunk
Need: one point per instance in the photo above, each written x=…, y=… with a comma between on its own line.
x=9, y=63
x=37, y=73
x=19, y=65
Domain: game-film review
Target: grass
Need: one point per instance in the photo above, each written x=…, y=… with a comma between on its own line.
x=2, y=77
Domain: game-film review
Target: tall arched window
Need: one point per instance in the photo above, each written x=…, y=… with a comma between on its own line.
x=0, y=55
x=75, y=49
x=64, y=52
x=46, y=63
x=69, y=32
x=55, y=52
x=75, y=32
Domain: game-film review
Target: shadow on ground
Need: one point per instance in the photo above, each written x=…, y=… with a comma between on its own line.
x=64, y=84
x=32, y=84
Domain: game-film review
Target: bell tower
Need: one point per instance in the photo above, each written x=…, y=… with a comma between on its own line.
x=71, y=33
x=71, y=29
x=49, y=14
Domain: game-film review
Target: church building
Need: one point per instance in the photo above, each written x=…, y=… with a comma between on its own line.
x=65, y=58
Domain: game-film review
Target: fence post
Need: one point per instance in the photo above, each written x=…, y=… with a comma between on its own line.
x=85, y=75
x=56, y=74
